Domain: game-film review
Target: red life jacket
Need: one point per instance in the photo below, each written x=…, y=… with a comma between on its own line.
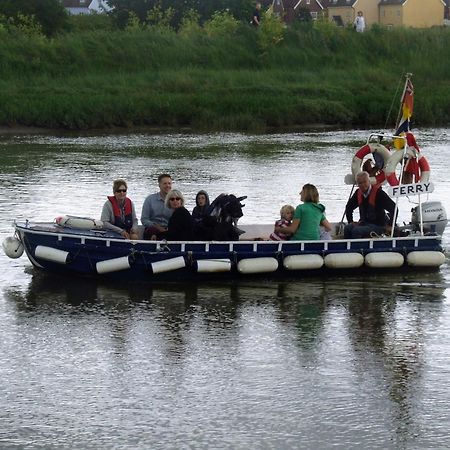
x=125, y=222
x=367, y=212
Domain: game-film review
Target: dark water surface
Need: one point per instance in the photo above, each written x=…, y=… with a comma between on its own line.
x=315, y=363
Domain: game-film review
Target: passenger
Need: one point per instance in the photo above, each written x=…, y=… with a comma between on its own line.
x=308, y=217
x=180, y=225
x=373, y=203
x=201, y=206
x=286, y=213
x=118, y=213
x=155, y=214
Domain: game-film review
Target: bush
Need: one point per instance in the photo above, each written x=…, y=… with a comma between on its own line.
x=190, y=25
x=90, y=22
x=270, y=32
x=160, y=18
x=222, y=23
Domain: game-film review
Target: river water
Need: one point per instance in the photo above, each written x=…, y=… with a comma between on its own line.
x=314, y=363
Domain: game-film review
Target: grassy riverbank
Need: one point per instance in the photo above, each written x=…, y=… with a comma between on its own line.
x=315, y=75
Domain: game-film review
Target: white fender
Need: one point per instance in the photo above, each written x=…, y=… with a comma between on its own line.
x=12, y=247
x=384, y=260
x=396, y=158
x=303, y=262
x=213, y=265
x=344, y=260
x=113, y=265
x=83, y=223
x=257, y=265
x=427, y=258
x=51, y=254
x=366, y=150
x=168, y=264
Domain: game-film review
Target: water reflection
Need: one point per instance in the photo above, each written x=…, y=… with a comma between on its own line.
x=289, y=296
x=369, y=333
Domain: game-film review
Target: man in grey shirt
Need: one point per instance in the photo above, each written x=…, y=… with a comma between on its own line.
x=155, y=215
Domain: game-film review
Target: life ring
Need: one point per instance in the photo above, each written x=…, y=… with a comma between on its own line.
x=83, y=223
x=396, y=158
x=363, y=152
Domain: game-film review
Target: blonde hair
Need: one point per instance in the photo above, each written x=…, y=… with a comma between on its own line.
x=173, y=193
x=286, y=209
x=310, y=193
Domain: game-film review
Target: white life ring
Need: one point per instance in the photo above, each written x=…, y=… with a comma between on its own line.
x=366, y=150
x=83, y=223
x=396, y=158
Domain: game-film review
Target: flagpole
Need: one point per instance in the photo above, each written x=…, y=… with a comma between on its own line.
x=408, y=76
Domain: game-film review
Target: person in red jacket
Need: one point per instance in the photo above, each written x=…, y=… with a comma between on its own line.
x=373, y=203
x=118, y=213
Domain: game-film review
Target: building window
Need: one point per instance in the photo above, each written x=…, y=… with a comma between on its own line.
x=338, y=21
x=308, y=2
x=314, y=15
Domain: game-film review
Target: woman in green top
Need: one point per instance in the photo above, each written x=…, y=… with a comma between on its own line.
x=308, y=217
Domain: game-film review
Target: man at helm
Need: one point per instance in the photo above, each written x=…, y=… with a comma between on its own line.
x=373, y=203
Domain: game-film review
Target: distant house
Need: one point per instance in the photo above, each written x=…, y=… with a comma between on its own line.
x=77, y=6
x=316, y=8
x=278, y=8
x=85, y=6
x=412, y=13
x=99, y=6
x=343, y=12
x=289, y=9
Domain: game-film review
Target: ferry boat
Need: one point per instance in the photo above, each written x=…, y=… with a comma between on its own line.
x=101, y=253
x=80, y=246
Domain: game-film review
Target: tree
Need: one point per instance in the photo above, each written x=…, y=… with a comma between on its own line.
x=240, y=9
x=50, y=14
x=123, y=9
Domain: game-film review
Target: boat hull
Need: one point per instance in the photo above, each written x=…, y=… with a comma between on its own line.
x=103, y=255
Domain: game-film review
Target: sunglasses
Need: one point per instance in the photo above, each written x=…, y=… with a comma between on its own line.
x=121, y=190
x=175, y=198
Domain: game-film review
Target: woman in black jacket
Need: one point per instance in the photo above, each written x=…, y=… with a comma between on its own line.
x=181, y=225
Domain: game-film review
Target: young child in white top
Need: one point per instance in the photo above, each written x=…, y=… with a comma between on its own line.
x=286, y=213
x=359, y=24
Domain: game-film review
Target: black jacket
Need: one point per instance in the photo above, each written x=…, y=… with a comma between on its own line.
x=180, y=226
x=368, y=214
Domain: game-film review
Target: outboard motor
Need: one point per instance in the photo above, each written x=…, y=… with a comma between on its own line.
x=434, y=218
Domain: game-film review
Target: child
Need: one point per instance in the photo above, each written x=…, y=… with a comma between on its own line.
x=201, y=206
x=286, y=213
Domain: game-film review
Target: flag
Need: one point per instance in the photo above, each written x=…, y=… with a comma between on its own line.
x=407, y=108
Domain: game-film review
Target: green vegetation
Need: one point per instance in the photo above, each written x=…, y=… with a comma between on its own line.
x=219, y=74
